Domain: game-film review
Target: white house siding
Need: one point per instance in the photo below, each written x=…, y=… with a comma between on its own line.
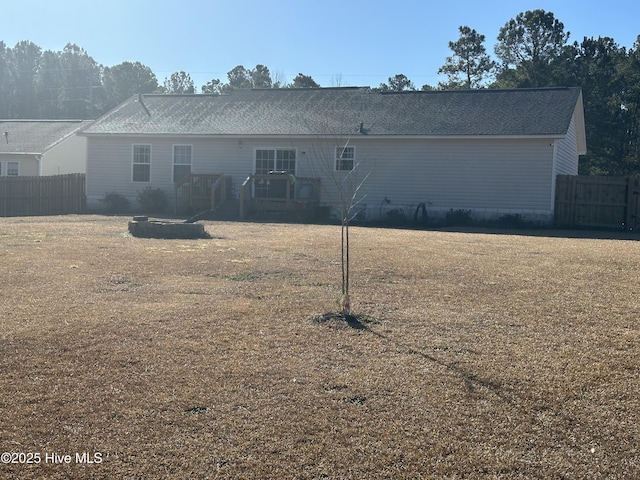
x=68, y=156
x=28, y=164
x=488, y=177
x=566, y=157
x=567, y=153
x=109, y=168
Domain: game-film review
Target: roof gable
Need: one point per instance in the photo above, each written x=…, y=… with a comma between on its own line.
x=35, y=136
x=339, y=111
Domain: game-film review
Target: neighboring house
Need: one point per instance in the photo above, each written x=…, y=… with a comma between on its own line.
x=42, y=147
x=493, y=152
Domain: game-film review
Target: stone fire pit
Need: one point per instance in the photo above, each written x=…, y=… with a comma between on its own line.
x=144, y=228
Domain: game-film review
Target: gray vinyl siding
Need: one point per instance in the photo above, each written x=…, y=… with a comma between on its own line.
x=489, y=176
x=567, y=153
x=566, y=156
x=109, y=167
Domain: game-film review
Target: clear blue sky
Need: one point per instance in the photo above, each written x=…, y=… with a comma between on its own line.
x=353, y=42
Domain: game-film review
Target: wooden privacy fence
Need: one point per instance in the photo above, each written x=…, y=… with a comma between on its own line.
x=600, y=202
x=54, y=195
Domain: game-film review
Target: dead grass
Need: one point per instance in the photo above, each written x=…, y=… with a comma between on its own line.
x=476, y=355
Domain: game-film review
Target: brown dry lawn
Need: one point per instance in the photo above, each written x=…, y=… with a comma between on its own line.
x=479, y=354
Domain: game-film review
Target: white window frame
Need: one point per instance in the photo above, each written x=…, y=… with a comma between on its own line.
x=255, y=159
x=275, y=151
x=258, y=188
x=134, y=163
x=340, y=159
x=15, y=165
x=175, y=163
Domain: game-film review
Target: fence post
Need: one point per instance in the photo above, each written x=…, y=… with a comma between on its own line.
x=633, y=200
x=242, y=187
x=3, y=197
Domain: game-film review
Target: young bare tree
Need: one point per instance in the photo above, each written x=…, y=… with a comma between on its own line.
x=335, y=161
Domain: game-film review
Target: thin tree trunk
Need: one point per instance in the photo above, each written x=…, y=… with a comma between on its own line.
x=345, y=302
x=342, y=260
x=346, y=289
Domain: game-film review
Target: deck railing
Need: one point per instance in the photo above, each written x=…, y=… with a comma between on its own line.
x=219, y=191
x=199, y=191
x=278, y=192
x=245, y=196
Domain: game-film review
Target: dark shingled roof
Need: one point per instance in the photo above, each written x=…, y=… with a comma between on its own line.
x=291, y=112
x=35, y=136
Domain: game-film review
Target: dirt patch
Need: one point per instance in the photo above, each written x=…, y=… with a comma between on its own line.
x=469, y=355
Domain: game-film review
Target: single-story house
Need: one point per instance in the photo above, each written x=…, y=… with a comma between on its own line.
x=42, y=147
x=488, y=152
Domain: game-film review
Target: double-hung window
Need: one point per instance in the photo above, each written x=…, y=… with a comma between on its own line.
x=345, y=157
x=13, y=169
x=181, y=161
x=274, y=161
x=141, y=163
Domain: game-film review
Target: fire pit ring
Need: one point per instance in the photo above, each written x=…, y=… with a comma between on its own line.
x=142, y=227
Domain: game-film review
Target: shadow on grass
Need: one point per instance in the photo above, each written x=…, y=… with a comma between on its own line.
x=353, y=322
x=357, y=322
x=471, y=380
x=361, y=322
x=585, y=233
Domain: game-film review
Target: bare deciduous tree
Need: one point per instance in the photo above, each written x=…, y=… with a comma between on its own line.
x=334, y=161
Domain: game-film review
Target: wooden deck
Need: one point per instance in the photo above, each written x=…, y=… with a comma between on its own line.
x=200, y=191
x=277, y=193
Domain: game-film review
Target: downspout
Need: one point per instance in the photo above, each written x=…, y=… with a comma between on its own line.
x=39, y=160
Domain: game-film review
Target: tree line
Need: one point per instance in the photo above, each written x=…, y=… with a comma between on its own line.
x=532, y=50
x=71, y=84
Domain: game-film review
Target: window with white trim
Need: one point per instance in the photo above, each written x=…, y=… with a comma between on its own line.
x=141, y=163
x=274, y=161
x=181, y=161
x=13, y=169
x=345, y=157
